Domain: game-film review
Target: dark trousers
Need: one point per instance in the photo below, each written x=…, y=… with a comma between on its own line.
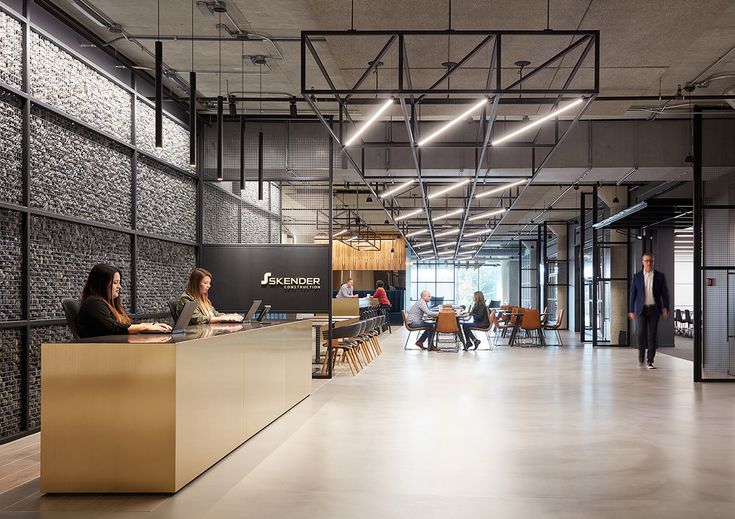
x=428, y=328
x=467, y=329
x=646, y=325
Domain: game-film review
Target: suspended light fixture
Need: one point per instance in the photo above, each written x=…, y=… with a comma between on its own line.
x=476, y=233
x=242, y=123
x=340, y=233
x=538, y=122
x=447, y=215
x=447, y=233
x=370, y=121
x=220, y=117
x=292, y=110
x=192, y=100
x=397, y=188
x=408, y=215
x=487, y=214
x=423, y=244
x=454, y=121
x=473, y=244
x=448, y=189
x=417, y=233
x=159, y=82
x=501, y=188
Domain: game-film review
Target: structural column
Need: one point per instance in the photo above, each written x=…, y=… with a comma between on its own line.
x=618, y=261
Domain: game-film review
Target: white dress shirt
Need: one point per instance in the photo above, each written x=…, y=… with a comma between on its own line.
x=648, y=283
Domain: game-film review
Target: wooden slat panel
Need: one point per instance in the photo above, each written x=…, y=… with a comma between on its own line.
x=345, y=257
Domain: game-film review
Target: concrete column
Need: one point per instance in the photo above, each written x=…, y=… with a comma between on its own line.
x=560, y=231
x=618, y=265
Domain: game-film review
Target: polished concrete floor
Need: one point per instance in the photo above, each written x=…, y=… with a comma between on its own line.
x=513, y=433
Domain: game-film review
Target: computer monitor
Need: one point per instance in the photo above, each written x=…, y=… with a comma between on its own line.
x=263, y=312
x=253, y=308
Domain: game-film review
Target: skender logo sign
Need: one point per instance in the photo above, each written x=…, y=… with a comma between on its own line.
x=289, y=283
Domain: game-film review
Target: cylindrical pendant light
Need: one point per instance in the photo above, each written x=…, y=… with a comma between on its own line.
x=192, y=118
x=220, y=135
x=260, y=165
x=159, y=94
x=242, y=152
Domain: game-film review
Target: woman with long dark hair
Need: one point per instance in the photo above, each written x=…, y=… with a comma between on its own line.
x=479, y=320
x=102, y=312
x=200, y=280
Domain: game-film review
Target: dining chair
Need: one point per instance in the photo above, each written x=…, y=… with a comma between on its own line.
x=556, y=325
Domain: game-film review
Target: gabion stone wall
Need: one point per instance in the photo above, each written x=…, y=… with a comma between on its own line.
x=164, y=269
x=78, y=173
x=10, y=146
x=71, y=85
x=166, y=202
x=221, y=214
x=38, y=336
x=175, y=138
x=63, y=253
x=10, y=382
x=11, y=51
x=11, y=263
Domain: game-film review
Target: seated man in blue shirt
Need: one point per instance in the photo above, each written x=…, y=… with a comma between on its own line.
x=417, y=319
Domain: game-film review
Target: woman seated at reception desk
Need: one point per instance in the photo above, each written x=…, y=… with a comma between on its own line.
x=102, y=312
x=200, y=281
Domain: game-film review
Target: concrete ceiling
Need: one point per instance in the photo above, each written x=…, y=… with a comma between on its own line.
x=646, y=48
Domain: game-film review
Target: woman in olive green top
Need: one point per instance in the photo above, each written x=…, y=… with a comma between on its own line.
x=199, y=282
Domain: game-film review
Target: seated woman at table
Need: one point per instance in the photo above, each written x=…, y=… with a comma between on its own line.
x=479, y=320
x=200, y=281
x=102, y=312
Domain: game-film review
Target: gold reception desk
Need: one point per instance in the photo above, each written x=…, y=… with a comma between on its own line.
x=149, y=413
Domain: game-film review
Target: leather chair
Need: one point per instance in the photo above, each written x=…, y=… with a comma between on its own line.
x=71, y=308
x=172, y=308
x=556, y=325
x=486, y=329
x=446, y=323
x=410, y=329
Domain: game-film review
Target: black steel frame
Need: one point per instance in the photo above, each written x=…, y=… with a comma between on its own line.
x=409, y=97
x=27, y=212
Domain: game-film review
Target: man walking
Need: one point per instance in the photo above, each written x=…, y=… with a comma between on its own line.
x=417, y=319
x=649, y=299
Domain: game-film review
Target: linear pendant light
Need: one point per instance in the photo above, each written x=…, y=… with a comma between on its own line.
x=159, y=94
x=260, y=165
x=454, y=121
x=473, y=244
x=340, y=233
x=448, y=189
x=370, y=121
x=397, y=188
x=447, y=233
x=447, y=215
x=192, y=101
x=537, y=122
x=423, y=244
x=476, y=233
x=408, y=215
x=220, y=136
x=488, y=214
x=242, y=152
x=417, y=233
x=501, y=188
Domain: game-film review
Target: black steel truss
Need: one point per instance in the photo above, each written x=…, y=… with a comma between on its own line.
x=496, y=88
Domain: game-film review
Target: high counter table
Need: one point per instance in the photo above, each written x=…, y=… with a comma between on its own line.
x=149, y=413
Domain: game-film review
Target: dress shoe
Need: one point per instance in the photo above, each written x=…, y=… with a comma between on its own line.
x=477, y=343
x=420, y=345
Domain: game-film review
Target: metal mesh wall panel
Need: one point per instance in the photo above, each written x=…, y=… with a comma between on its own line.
x=11, y=51
x=10, y=148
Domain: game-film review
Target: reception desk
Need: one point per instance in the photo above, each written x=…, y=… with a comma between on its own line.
x=149, y=413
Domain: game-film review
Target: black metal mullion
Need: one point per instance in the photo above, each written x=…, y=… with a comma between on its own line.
x=26, y=227
x=134, y=201
x=595, y=266
x=698, y=271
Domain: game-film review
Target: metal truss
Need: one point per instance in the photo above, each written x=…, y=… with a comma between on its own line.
x=497, y=88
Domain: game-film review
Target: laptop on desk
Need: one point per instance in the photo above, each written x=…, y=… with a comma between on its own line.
x=253, y=309
x=183, y=320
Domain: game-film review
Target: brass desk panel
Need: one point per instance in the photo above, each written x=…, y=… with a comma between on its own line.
x=121, y=417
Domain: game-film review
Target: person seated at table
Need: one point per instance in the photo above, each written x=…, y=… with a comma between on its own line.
x=479, y=320
x=102, y=312
x=346, y=289
x=381, y=295
x=417, y=318
x=200, y=281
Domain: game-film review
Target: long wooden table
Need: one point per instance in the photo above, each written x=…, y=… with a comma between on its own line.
x=149, y=413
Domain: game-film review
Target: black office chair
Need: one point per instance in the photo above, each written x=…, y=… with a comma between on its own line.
x=71, y=308
x=172, y=308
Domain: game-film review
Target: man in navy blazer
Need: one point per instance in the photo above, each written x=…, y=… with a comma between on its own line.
x=649, y=299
